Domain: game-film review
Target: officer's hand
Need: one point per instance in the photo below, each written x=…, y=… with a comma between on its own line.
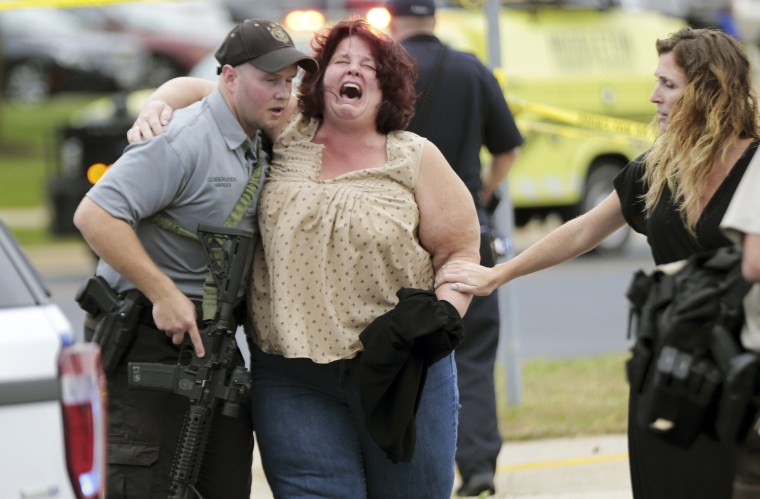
x=175, y=315
x=150, y=122
x=195, y=338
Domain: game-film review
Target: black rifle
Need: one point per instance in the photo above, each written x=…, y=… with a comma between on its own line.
x=211, y=380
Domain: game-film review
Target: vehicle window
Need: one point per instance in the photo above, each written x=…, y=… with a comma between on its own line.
x=13, y=290
x=20, y=285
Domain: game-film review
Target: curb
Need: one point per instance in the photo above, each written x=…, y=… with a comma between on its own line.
x=54, y=258
x=25, y=218
x=62, y=259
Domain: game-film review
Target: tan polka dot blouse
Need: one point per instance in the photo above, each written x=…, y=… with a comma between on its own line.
x=333, y=252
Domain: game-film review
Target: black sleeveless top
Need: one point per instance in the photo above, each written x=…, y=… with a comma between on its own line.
x=666, y=233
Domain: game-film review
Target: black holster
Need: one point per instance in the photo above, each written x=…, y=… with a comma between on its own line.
x=117, y=317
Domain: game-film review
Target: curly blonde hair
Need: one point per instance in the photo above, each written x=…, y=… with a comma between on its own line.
x=717, y=109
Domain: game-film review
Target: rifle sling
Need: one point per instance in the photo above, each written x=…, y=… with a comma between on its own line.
x=164, y=221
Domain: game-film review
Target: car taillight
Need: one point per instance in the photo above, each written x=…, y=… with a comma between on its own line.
x=83, y=399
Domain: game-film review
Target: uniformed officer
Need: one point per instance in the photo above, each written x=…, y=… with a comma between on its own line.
x=196, y=172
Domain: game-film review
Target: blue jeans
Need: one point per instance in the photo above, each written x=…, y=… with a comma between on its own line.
x=313, y=441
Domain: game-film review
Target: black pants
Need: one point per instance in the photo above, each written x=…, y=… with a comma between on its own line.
x=478, y=438
x=661, y=470
x=144, y=428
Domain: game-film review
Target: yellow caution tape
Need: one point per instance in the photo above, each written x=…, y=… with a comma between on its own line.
x=527, y=126
x=66, y=4
x=629, y=130
x=592, y=121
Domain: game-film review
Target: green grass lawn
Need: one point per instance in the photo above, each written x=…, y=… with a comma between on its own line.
x=567, y=397
x=30, y=237
x=27, y=147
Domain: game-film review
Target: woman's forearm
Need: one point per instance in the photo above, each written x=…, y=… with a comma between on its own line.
x=562, y=244
x=568, y=241
x=159, y=106
x=182, y=91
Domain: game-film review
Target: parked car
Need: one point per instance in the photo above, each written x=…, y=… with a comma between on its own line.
x=176, y=34
x=45, y=51
x=277, y=11
x=52, y=392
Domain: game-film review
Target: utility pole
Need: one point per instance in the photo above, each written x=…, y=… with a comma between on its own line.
x=509, y=351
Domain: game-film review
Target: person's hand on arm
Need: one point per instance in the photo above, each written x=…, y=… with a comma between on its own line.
x=114, y=241
x=469, y=277
x=153, y=117
x=157, y=110
x=449, y=227
x=568, y=241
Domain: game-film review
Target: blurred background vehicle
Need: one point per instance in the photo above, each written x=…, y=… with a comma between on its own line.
x=94, y=137
x=46, y=51
x=52, y=392
x=177, y=35
x=248, y=9
x=697, y=13
x=577, y=75
x=279, y=10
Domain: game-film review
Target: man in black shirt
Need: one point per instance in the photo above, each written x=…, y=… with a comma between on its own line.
x=461, y=108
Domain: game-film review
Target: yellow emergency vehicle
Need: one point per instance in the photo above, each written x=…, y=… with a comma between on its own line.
x=578, y=77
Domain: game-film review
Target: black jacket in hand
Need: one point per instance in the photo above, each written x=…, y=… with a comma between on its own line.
x=399, y=346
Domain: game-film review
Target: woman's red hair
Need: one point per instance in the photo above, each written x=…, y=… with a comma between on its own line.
x=396, y=74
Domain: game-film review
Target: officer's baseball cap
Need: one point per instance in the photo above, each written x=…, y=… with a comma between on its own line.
x=265, y=45
x=410, y=7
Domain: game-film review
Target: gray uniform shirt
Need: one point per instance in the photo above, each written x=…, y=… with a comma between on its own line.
x=195, y=173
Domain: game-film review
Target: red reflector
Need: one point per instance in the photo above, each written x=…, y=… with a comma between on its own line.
x=83, y=399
